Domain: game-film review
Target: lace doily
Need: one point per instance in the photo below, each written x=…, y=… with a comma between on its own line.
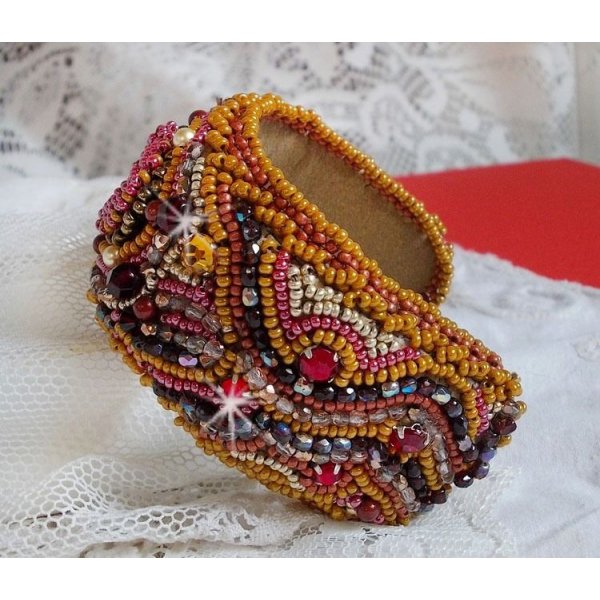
x=91, y=465
x=415, y=107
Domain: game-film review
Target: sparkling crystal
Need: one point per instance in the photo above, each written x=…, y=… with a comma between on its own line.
x=262, y=420
x=378, y=416
x=302, y=414
x=339, y=456
x=454, y=408
x=367, y=394
x=463, y=480
x=426, y=386
x=481, y=470
x=397, y=412
x=347, y=394
x=251, y=230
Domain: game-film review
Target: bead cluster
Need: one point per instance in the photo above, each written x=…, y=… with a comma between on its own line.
x=285, y=351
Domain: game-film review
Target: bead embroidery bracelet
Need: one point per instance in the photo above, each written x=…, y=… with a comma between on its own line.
x=284, y=347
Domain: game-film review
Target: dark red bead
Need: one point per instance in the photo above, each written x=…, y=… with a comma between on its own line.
x=503, y=425
x=96, y=243
x=124, y=281
x=197, y=114
x=144, y=309
x=169, y=214
x=408, y=440
x=151, y=211
x=318, y=364
x=368, y=510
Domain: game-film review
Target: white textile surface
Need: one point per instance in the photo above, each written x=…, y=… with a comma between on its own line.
x=90, y=464
x=88, y=108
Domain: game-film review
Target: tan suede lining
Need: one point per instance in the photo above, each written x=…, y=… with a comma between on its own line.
x=402, y=250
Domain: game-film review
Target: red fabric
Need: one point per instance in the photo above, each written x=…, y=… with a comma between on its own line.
x=542, y=215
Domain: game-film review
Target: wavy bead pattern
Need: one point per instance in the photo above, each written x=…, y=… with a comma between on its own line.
x=284, y=349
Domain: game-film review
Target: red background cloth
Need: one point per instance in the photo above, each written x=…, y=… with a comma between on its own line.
x=542, y=215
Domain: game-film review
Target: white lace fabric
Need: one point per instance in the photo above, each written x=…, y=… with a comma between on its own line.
x=91, y=465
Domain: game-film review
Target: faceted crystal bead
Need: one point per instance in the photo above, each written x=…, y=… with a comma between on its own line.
x=302, y=441
x=367, y=394
x=282, y=432
x=503, y=424
x=441, y=395
x=454, y=408
x=303, y=386
x=213, y=350
x=347, y=394
x=285, y=406
x=321, y=417
x=318, y=364
x=124, y=281
x=187, y=360
x=256, y=378
x=249, y=297
x=481, y=470
x=324, y=393
x=195, y=344
x=251, y=230
x=390, y=388
x=195, y=311
x=426, y=386
x=463, y=480
x=323, y=446
x=408, y=385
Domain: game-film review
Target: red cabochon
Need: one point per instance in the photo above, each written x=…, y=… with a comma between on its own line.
x=542, y=215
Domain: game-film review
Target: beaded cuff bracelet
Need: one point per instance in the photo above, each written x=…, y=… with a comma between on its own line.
x=286, y=350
